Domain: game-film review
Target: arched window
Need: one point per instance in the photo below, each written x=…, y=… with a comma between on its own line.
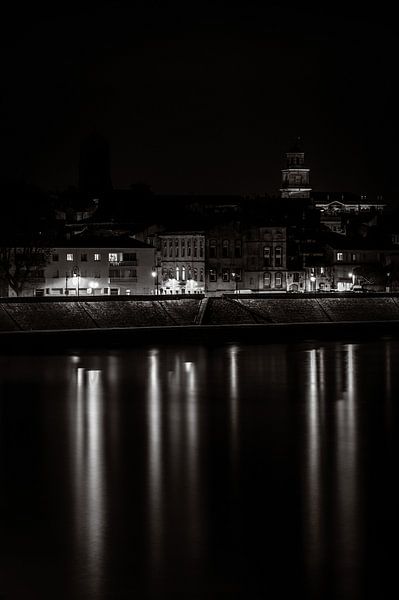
x=189, y=273
x=177, y=273
x=266, y=279
x=183, y=273
x=212, y=249
x=195, y=274
x=278, y=278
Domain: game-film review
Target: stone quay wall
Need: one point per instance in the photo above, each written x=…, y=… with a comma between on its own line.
x=46, y=315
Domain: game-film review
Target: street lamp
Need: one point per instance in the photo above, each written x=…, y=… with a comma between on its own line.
x=313, y=282
x=235, y=278
x=154, y=273
x=76, y=275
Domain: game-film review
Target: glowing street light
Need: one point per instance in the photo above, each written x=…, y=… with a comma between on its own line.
x=154, y=274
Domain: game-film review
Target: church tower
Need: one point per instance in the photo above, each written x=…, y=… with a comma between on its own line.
x=295, y=176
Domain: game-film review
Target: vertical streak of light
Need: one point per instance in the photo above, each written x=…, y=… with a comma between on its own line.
x=346, y=440
x=154, y=420
x=89, y=477
x=192, y=456
x=233, y=403
x=314, y=486
x=95, y=475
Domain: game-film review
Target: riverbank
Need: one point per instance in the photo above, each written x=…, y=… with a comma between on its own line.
x=46, y=323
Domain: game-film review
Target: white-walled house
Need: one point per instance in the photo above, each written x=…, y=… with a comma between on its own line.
x=95, y=267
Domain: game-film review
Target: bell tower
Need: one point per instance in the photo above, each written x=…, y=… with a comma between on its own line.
x=295, y=175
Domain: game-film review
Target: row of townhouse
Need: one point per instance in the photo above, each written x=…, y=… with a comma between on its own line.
x=229, y=258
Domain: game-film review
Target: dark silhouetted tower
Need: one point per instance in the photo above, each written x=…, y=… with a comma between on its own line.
x=94, y=166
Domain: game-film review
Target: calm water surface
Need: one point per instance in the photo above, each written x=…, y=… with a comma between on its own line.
x=200, y=472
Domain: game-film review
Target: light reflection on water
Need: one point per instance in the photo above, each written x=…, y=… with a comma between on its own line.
x=186, y=466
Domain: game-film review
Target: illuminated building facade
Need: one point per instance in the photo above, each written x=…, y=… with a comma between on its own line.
x=181, y=263
x=95, y=268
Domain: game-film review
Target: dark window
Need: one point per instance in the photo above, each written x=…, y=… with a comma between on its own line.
x=278, y=278
x=189, y=248
x=201, y=251
x=115, y=273
x=225, y=249
x=195, y=248
x=83, y=257
x=129, y=256
x=225, y=274
x=266, y=256
x=266, y=279
x=55, y=257
x=212, y=249
x=132, y=273
x=237, y=249
x=201, y=274
x=212, y=275
x=296, y=278
x=278, y=253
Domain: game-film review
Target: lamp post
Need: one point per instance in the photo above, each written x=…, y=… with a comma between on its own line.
x=154, y=273
x=76, y=275
x=235, y=278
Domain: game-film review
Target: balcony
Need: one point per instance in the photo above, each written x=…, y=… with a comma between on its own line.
x=122, y=280
x=123, y=263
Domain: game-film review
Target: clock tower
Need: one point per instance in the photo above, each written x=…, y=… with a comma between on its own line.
x=295, y=175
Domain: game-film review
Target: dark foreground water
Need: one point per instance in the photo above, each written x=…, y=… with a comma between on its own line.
x=201, y=472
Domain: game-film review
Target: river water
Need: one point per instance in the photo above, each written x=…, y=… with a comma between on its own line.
x=200, y=472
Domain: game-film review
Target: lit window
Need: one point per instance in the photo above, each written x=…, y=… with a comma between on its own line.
x=113, y=257
x=278, y=280
x=212, y=275
x=183, y=273
x=354, y=257
x=340, y=256
x=69, y=257
x=97, y=257
x=177, y=273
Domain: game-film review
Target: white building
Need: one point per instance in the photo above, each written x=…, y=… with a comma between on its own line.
x=95, y=267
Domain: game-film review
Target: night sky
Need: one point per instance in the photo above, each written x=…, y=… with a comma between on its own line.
x=194, y=97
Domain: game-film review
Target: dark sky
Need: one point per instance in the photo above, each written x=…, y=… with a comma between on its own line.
x=194, y=97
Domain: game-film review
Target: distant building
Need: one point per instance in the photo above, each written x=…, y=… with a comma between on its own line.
x=295, y=176
x=95, y=267
x=181, y=261
x=245, y=258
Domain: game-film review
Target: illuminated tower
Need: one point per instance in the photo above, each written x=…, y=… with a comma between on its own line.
x=295, y=176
